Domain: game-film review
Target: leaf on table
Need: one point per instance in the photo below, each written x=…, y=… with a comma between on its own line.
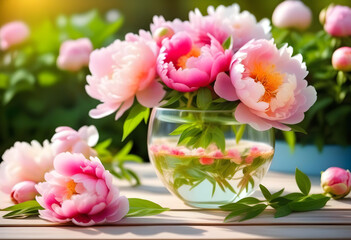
x=303, y=182
x=141, y=207
x=267, y=195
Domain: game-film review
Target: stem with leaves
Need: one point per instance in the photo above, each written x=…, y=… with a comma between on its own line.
x=251, y=207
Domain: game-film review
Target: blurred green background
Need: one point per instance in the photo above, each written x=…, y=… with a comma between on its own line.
x=55, y=98
x=138, y=13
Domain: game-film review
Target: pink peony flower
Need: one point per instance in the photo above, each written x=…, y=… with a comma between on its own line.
x=338, y=21
x=341, y=59
x=67, y=139
x=185, y=66
x=242, y=26
x=120, y=72
x=175, y=26
x=270, y=85
x=292, y=14
x=74, y=54
x=23, y=191
x=336, y=182
x=25, y=162
x=13, y=33
x=204, y=28
x=80, y=191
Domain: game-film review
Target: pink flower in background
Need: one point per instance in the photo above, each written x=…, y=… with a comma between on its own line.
x=81, y=191
x=341, y=59
x=25, y=162
x=23, y=191
x=74, y=54
x=270, y=85
x=336, y=182
x=67, y=139
x=185, y=66
x=161, y=29
x=242, y=26
x=120, y=72
x=204, y=28
x=338, y=21
x=292, y=14
x=13, y=33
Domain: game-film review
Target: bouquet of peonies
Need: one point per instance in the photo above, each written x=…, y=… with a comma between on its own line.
x=223, y=60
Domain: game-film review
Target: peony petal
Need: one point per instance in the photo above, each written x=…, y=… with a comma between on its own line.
x=103, y=110
x=224, y=87
x=69, y=164
x=151, y=95
x=124, y=107
x=244, y=115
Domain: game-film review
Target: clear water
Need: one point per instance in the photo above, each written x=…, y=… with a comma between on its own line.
x=208, y=178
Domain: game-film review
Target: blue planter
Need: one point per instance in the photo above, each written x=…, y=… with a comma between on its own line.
x=308, y=159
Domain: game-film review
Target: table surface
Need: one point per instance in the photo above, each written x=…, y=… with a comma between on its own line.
x=183, y=222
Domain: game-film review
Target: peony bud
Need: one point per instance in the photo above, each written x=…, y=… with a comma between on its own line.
x=23, y=191
x=336, y=182
x=338, y=21
x=292, y=14
x=162, y=33
x=13, y=33
x=74, y=54
x=341, y=59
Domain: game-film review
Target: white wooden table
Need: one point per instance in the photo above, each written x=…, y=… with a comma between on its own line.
x=183, y=222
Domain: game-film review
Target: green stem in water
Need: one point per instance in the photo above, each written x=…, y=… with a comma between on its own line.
x=190, y=97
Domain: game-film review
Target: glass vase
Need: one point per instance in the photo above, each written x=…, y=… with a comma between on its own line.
x=207, y=158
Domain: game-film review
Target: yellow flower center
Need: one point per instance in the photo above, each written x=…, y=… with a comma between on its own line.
x=71, y=189
x=194, y=52
x=269, y=78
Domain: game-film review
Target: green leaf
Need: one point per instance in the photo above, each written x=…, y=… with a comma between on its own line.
x=142, y=207
x=218, y=137
x=277, y=194
x=172, y=100
x=290, y=138
x=23, y=210
x=125, y=150
x=296, y=128
x=24, y=205
x=228, y=43
x=294, y=196
x=308, y=204
x=249, y=200
x=254, y=212
x=282, y=211
x=267, y=195
x=135, y=116
x=181, y=129
x=303, y=182
x=204, y=98
x=235, y=208
x=239, y=133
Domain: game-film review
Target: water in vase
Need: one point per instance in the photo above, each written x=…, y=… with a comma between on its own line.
x=208, y=178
